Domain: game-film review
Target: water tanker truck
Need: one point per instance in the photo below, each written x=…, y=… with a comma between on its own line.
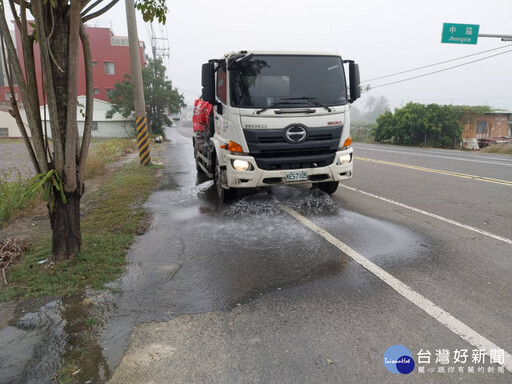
x=275, y=118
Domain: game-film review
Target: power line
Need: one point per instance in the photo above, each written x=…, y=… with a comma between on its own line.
x=441, y=70
x=435, y=64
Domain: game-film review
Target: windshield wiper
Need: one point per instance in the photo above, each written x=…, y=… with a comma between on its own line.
x=312, y=100
x=275, y=104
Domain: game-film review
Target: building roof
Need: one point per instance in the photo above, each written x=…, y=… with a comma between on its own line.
x=498, y=113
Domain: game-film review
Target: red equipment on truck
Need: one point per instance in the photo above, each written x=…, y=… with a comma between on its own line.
x=202, y=126
x=202, y=110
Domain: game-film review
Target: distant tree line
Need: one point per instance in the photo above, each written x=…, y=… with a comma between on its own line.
x=430, y=125
x=374, y=107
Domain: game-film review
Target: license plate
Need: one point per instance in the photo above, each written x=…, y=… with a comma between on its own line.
x=296, y=176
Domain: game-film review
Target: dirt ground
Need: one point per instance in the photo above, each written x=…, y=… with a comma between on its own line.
x=14, y=159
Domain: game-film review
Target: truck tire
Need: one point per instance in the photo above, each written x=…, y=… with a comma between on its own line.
x=328, y=187
x=224, y=195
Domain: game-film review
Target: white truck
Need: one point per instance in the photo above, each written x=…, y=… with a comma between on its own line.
x=277, y=118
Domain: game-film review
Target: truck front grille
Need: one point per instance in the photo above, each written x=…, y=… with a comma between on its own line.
x=272, y=151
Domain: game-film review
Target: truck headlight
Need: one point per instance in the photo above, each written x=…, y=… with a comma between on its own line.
x=241, y=165
x=345, y=159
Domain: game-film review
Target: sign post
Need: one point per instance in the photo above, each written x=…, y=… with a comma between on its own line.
x=502, y=37
x=460, y=33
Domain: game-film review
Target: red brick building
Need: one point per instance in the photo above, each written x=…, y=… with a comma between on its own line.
x=110, y=60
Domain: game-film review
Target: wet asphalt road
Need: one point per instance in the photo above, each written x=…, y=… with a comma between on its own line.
x=244, y=292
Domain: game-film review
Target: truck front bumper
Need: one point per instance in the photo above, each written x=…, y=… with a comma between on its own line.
x=256, y=177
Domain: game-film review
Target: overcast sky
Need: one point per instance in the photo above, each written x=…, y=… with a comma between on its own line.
x=383, y=37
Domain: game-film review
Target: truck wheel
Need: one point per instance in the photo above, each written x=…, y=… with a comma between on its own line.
x=328, y=187
x=224, y=195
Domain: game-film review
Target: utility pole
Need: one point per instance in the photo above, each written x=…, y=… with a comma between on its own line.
x=161, y=49
x=138, y=88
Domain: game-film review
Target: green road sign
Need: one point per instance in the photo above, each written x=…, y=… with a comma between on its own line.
x=460, y=33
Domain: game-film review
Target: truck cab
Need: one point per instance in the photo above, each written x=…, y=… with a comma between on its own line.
x=278, y=118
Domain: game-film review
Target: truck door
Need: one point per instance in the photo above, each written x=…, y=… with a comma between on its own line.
x=221, y=93
x=227, y=118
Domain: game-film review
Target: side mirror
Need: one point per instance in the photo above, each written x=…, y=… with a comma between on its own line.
x=208, y=83
x=355, y=90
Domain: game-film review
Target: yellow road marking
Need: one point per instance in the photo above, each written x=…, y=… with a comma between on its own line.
x=438, y=171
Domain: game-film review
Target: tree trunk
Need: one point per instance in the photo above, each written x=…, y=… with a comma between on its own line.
x=65, y=224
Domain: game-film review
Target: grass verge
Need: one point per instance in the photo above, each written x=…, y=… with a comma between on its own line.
x=108, y=230
x=66, y=373
x=504, y=149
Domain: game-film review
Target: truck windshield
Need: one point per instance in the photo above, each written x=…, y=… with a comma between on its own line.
x=264, y=80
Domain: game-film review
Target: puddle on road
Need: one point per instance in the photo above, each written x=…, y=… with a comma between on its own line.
x=37, y=344
x=250, y=292
x=378, y=240
x=251, y=247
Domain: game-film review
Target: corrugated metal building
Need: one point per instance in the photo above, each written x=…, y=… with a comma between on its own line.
x=486, y=125
x=481, y=126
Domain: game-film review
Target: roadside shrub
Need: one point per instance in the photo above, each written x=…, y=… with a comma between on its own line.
x=95, y=166
x=12, y=186
x=110, y=150
x=106, y=151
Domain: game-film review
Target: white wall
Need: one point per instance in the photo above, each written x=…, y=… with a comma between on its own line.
x=108, y=129
x=7, y=121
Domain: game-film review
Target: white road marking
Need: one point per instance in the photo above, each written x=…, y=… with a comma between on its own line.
x=446, y=220
x=436, y=156
x=455, y=325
